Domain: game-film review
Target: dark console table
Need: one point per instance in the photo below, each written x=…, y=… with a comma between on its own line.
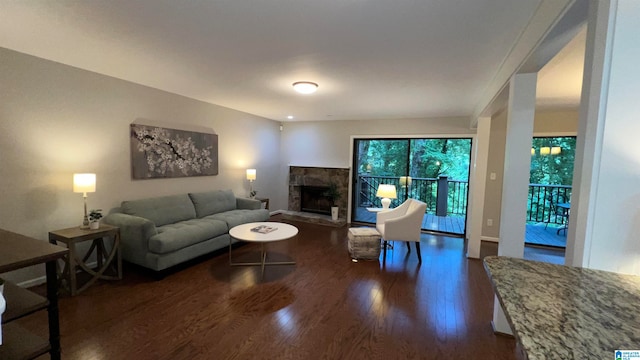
x=16, y=252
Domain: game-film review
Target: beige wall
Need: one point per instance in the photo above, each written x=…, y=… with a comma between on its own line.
x=556, y=122
x=56, y=120
x=562, y=122
x=328, y=143
x=495, y=164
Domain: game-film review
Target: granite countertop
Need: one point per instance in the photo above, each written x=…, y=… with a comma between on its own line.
x=563, y=312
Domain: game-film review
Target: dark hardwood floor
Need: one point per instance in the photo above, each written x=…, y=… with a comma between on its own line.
x=324, y=307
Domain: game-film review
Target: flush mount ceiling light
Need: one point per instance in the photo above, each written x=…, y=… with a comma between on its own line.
x=305, y=87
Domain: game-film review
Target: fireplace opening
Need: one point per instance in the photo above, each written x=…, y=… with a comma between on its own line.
x=313, y=199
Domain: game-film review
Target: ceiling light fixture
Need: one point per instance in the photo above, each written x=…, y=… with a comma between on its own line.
x=305, y=87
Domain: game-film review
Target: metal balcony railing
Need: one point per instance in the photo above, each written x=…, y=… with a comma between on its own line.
x=541, y=200
x=449, y=197
x=443, y=196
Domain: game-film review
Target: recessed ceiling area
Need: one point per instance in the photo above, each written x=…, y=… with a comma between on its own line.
x=560, y=80
x=373, y=59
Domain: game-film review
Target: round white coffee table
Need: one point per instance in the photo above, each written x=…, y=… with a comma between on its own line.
x=262, y=232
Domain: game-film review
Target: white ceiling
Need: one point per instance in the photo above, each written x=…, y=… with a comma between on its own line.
x=373, y=59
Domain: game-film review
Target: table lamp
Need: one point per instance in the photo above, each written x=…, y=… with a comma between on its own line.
x=386, y=192
x=405, y=181
x=84, y=183
x=251, y=176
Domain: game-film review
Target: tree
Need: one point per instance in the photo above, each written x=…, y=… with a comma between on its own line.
x=553, y=169
x=427, y=158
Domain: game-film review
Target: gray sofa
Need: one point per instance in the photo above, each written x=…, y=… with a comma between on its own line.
x=161, y=232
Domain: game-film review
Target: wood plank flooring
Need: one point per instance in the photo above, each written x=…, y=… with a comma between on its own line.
x=324, y=307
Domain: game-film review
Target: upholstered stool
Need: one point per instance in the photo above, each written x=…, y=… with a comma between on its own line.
x=364, y=243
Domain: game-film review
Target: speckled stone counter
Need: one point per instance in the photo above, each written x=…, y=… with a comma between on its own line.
x=562, y=312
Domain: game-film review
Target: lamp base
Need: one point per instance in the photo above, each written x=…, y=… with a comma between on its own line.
x=385, y=203
x=85, y=223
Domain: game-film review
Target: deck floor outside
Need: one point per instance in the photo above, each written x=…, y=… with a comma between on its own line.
x=536, y=233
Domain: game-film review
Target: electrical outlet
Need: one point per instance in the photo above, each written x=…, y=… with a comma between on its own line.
x=489, y=222
x=492, y=176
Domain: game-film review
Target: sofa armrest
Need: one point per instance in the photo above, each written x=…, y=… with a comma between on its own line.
x=246, y=203
x=135, y=231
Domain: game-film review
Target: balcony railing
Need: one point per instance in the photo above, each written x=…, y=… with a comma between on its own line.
x=540, y=201
x=443, y=196
x=449, y=197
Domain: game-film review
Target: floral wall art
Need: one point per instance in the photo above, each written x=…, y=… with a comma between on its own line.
x=157, y=152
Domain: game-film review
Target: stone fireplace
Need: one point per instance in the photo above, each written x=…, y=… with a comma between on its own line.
x=313, y=199
x=307, y=186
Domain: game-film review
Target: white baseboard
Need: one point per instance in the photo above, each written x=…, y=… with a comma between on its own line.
x=33, y=282
x=489, y=238
x=43, y=279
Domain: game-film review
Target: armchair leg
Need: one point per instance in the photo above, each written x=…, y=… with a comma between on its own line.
x=408, y=247
x=384, y=246
x=418, y=251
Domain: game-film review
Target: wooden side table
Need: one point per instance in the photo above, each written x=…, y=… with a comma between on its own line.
x=17, y=252
x=105, y=259
x=265, y=201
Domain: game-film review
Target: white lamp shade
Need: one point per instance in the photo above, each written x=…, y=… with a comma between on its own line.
x=251, y=174
x=84, y=183
x=387, y=191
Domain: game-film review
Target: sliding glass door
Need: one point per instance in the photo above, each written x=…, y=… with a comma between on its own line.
x=435, y=171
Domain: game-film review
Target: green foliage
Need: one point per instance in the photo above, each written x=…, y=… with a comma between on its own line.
x=333, y=193
x=553, y=169
x=418, y=158
x=95, y=214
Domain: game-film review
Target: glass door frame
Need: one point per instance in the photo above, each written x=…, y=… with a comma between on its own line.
x=354, y=170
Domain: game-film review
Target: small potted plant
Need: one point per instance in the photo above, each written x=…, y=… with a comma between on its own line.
x=333, y=194
x=94, y=218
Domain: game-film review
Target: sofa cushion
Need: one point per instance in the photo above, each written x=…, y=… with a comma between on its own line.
x=176, y=236
x=161, y=210
x=213, y=202
x=237, y=217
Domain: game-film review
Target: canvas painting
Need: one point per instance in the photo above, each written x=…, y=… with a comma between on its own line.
x=158, y=152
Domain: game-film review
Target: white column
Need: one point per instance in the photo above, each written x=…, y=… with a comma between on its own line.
x=515, y=185
x=517, y=164
x=605, y=204
x=478, y=185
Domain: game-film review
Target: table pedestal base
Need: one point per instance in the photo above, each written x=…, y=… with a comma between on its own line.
x=263, y=260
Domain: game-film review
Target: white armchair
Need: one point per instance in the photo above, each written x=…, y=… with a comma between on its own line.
x=403, y=223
